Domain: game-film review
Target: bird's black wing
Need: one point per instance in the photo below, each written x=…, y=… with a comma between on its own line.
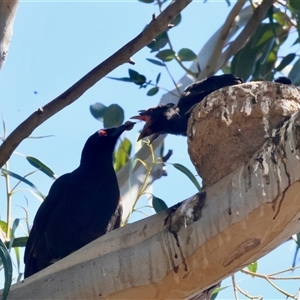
x=195, y=92
x=36, y=242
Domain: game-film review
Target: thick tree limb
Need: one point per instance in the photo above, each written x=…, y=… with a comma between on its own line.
x=195, y=244
x=122, y=56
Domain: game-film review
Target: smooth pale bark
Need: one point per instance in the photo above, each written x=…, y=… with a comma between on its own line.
x=8, y=11
x=195, y=244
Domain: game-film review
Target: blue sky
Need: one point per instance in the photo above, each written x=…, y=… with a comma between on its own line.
x=55, y=44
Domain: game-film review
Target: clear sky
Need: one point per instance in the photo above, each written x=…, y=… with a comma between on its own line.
x=55, y=44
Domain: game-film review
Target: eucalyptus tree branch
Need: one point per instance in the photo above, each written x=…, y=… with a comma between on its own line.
x=249, y=29
x=213, y=63
x=186, y=249
x=122, y=56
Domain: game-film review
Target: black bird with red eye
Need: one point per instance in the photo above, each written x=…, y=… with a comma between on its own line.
x=172, y=118
x=80, y=207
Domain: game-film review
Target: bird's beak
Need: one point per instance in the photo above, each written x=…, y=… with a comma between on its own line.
x=141, y=118
x=125, y=127
x=146, y=131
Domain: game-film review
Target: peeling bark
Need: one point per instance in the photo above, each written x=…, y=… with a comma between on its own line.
x=193, y=245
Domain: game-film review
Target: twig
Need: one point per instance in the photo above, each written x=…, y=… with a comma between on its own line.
x=267, y=278
x=234, y=287
x=80, y=87
x=246, y=294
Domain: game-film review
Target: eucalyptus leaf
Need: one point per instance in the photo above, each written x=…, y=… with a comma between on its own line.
x=286, y=61
x=147, y=1
x=7, y=265
x=113, y=116
x=159, y=42
x=158, y=78
x=153, y=91
x=136, y=77
x=166, y=55
x=126, y=79
x=176, y=20
x=156, y=62
x=158, y=204
x=41, y=166
x=122, y=154
x=253, y=267
x=186, y=54
x=97, y=111
x=188, y=173
x=23, y=179
x=294, y=74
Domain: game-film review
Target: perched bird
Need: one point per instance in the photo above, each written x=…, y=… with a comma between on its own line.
x=80, y=207
x=172, y=118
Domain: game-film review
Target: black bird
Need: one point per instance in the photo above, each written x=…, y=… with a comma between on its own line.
x=80, y=207
x=283, y=79
x=172, y=118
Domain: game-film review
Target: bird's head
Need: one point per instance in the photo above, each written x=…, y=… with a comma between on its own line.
x=156, y=119
x=103, y=141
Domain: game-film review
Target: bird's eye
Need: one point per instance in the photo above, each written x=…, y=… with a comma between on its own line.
x=102, y=132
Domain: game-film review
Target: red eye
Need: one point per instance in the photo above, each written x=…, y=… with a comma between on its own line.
x=102, y=132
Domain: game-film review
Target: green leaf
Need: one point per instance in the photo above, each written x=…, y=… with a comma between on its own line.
x=176, y=20
x=18, y=242
x=252, y=267
x=188, y=173
x=113, y=116
x=12, y=238
x=294, y=74
x=12, y=232
x=217, y=290
x=295, y=4
x=259, y=55
x=14, y=175
x=159, y=42
x=153, y=91
x=147, y=1
x=40, y=137
x=126, y=79
x=136, y=77
x=286, y=61
x=158, y=78
x=41, y=166
x=158, y=204
x=186, y=54
x=97, y=111
x=7, y=264
x=156, y=62
x=166, y=55
x=122, y=154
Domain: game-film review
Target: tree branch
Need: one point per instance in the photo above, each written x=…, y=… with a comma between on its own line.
x=194, y=244
x=122, y=56
x=249, y=29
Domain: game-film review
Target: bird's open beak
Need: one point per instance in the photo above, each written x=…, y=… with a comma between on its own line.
x=146, y=131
